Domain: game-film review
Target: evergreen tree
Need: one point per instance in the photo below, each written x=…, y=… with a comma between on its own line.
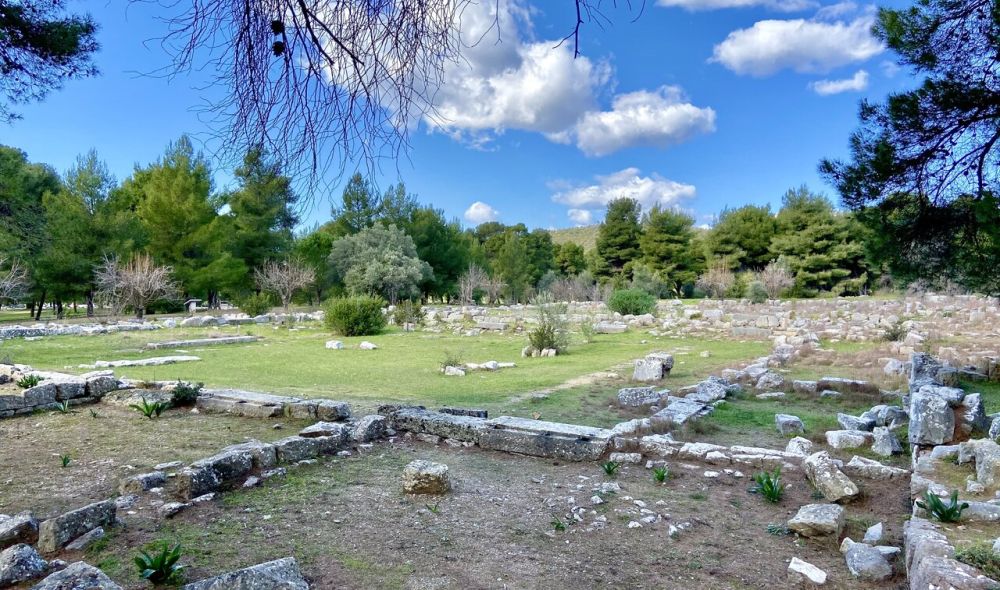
x=513, y=266
x=441, y=244
x=666, y=246
x=743, y=237
x=360, y=207
x=618, y=236
x=262, y=213
x=570, y=258
x=821, y=246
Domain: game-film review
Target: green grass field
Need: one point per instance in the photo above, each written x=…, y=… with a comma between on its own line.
x=406, y=368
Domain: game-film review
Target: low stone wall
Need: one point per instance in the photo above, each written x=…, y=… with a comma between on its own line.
x=252, y=404
x=53, y=390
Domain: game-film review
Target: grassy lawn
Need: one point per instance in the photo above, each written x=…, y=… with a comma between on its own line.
x=406, y=368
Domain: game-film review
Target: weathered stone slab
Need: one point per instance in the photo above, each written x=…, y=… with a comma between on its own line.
x=20, y=528
x=156, y=361
x=262, y=455
x=426, y=477
x=194, y=482
x=826, y=477
x=842, y=385
x=543, y=444
x=818, y=520
x=202, y=342
x=680, y=410
x=137, y=484
x=78, y=576
x=56, y=533
x=281, y=574
x=555, y=428
x=418, y=421
x=229, y=466
x=20, y=563
x=296, y=448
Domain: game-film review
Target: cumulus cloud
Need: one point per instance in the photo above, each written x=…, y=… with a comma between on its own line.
x=480, y=212
x=581, y=216
x=778, y=5
x=651, y=190
x=659, y=118
x=541, y=87
x=856, y=83
x=816, y=45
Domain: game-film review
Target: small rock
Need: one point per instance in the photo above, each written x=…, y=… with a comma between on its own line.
x=86, y=540
x=171, y=509
x=426, y=477
x=365, y=345
x=788, y=424
x=20, y=563
x=802, y=571
x=873, y=534
x=334, y=345
x=818, y=520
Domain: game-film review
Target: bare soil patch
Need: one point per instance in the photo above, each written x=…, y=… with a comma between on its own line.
x=350, y=525
x=104, y=449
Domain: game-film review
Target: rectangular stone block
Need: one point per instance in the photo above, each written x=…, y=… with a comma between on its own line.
x=56, y=533
x=543, y=444
x=464, y=428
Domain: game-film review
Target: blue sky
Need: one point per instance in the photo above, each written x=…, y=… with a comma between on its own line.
x=698, y=104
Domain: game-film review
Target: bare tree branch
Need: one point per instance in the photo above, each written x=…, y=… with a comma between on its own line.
x=284, y=278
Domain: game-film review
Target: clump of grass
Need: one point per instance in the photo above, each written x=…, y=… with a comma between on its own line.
x=63, y=407
x=950, y=512
x=558, y=525
x=434, y=508
x=150, y=409
x=29, y=381
x=981, y=557
x=161, y=567
x=611, y=468
x=94, y=414
x=660, y=474
x=698, y=496
x=769, y=485
x=778, y=530
x=65, y=459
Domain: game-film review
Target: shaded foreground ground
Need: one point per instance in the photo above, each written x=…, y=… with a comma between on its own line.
x=351, y=526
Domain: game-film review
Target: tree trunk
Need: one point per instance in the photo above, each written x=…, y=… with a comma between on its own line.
x=90, y=303
x=41, y=304
x=140, y=311
x=59, y=309
x=31, y=309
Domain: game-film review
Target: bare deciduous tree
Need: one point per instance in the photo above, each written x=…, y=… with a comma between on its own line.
x=284, y=278
x=717, y=280
x=474, y=278
x=776, y=278
x=13, y=281
x=133, y=285
x=322, y=83
x=494, y=287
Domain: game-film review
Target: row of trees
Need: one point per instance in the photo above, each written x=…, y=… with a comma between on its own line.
x=808, y=240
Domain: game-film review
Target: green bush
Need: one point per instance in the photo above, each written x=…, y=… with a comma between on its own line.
x=160, y=567
x=355, y=316
x=632, y=302
x=950, y=512
x=756, y=292
x=981, y=556
x=256, y=304
x=769, y=485
x=185, y=394
x=551, y=331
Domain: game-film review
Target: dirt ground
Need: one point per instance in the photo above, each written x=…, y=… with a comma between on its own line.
x=349, y=524
x=104, y=449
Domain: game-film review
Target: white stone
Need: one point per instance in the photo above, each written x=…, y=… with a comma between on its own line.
x=802, y=571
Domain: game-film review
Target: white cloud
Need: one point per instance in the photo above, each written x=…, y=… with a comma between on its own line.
x=648, y=190
x=581, y=216
x=480, y=212
x=856, y=83
x=659, y=118
x=539, y=86
x=778, y=5
x=801, y=45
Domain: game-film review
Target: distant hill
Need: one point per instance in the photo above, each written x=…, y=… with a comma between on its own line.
x=585, y=236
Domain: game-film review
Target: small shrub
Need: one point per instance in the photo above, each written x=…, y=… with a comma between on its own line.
x=769, y=485
x=558, y=525
x=894, y=333
x=587, y=330
x=257, y=304
x=632, y=302
x=950, y=512
x=162, y=566
x=981, y=557
x=150, y=409
x=28, y=381
x=451, y=359
x=355, y=316
x=778, y=530
x=185, y=394
x=756, y=292
x=660, y=474
x=610, y=468
x=408, y=312
x=65, y=460
x=551, y=330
